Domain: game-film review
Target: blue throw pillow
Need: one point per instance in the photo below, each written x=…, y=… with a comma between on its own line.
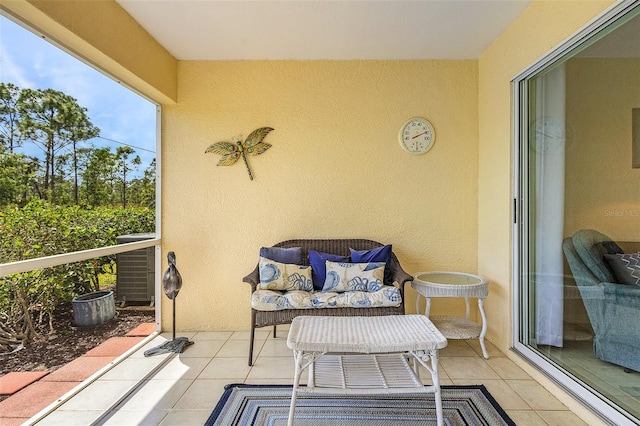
x=379, y=254
x=318, y=260
x=289, y=255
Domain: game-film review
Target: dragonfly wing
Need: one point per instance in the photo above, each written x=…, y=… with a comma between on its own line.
x=256, y=136
x=222, y=148
x=259, y=148
x=229, y=159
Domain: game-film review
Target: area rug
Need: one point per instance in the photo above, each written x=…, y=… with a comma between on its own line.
x=268, y=405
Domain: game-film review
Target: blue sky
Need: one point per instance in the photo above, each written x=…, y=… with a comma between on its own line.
x=28, y=61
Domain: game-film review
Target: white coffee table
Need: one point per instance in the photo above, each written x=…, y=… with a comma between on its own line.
x=365, y=355
x=454, y=284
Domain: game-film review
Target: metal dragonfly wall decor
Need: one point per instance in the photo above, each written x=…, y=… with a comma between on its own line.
x=231, y=152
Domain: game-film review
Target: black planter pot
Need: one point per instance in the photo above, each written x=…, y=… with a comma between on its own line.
x=94, y=308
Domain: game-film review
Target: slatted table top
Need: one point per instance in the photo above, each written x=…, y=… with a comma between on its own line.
x=381, y=334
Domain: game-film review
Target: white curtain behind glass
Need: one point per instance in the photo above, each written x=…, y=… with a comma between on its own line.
x=549, y=153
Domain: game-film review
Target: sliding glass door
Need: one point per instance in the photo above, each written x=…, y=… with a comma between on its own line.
x=578, y=223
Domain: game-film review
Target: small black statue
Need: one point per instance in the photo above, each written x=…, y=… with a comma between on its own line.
x=171, y=280
x=171, y=285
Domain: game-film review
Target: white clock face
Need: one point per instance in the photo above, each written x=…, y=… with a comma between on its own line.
x=417, y=136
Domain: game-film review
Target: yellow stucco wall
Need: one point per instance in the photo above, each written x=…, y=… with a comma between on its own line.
x=602, y=187
x=336, y=170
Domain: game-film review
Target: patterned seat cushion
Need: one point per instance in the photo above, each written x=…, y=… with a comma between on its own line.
x=269, y=300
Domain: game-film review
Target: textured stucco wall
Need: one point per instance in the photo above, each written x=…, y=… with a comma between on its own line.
x=335, y=170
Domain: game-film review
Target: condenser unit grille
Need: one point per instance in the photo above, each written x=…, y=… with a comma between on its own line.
x=135, y=272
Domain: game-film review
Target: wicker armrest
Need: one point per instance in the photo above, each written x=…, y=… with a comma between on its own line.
x=399, y=275
x=253, y=278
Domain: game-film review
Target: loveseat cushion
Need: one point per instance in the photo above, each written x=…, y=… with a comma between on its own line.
x=269, y=300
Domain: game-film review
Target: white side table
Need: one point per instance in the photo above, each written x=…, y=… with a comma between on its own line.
x=454, y=284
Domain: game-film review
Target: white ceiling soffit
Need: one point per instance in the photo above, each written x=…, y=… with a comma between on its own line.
x=306, y=29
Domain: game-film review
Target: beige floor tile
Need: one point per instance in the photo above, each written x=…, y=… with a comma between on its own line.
x=491, y=349
x=184, y=368
x=203, y=349
x=261, y=334
x=561, y=418
x=526, y=418
x=504, y=394
x=274, y=348
x=507, y=369
x=156, y=394
x=235, y=369
x=203, y=394
x=186, y=417
x=426, y=375
x=468, y=368
x=535, y=395
x=212, y=335
x=274, y=368
x=150, y=417
x=238, y=349
x=457, y=348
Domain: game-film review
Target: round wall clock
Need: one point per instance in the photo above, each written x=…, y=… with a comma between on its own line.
x=417, y=136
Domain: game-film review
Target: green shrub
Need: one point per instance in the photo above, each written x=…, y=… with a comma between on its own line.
x=40, y=230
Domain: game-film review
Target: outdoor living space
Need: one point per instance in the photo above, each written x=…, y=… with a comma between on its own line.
x=186, y=388
x=256, y=144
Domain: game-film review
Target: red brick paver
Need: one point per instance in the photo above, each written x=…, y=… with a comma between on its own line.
x=142, y=330
x=11, y=383
x=32, y=399
x=79, y=369
x=114, y=346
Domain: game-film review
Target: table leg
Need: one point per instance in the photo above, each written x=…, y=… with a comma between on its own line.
x=429, y=360
x=485, y=354
x=436, y=384
x=298, y=360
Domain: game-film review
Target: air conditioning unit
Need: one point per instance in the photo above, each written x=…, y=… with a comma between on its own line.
x=136, y=271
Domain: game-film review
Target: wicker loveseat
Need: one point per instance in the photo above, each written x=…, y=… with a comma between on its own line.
x=394, y=275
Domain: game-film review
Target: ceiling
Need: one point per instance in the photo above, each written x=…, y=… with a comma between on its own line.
x=329, y=29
